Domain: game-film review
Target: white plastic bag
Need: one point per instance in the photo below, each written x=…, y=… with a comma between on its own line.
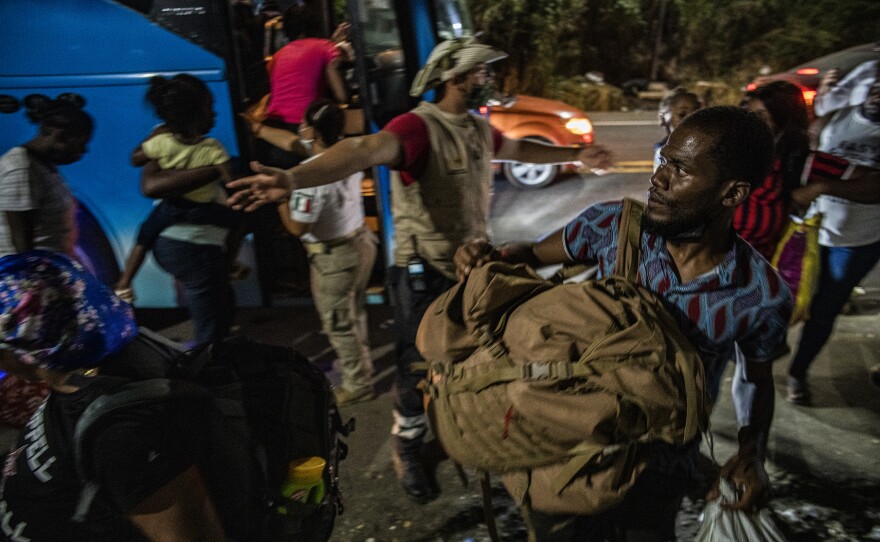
x=722, y=525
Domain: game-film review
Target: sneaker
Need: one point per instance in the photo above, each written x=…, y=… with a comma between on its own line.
x=346, y=397
x=799, y=391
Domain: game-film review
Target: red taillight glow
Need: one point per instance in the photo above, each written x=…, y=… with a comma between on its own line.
x=751, y=86
x=809, y=95
x=807, y=71
x=588, y=138
x=484, y=110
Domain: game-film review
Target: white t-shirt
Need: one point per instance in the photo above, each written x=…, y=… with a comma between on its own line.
x=851, y=90
x=30, y=185
x=335, y=209
x=850, y=135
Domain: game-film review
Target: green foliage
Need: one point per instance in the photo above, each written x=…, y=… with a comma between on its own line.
x=584, y=95
x=723, y=41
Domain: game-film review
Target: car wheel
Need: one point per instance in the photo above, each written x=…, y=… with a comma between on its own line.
x=530, y=176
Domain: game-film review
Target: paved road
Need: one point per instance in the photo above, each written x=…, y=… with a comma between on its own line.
x=824, y=461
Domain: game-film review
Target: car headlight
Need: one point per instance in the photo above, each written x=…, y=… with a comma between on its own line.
x=579, y=126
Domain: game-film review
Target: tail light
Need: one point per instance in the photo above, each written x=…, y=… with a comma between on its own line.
x=808, y=96
x=751, y=86
x=807, y=71
x=587, y=138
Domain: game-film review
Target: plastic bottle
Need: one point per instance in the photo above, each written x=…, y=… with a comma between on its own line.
x=305, y=481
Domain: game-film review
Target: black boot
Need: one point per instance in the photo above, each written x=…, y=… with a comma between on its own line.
x=407, y=458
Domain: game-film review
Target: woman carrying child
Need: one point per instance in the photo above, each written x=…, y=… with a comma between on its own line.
x=192, y=232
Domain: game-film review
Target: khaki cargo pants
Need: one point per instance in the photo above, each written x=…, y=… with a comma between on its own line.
x=339, y=277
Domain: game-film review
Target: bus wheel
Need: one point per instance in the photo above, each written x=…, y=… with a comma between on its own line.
x=93, y=249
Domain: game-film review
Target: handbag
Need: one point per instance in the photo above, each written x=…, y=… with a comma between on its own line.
x=797, y=261
x=723, y=525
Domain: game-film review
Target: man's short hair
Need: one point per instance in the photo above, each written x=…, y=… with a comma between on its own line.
x=742, y=146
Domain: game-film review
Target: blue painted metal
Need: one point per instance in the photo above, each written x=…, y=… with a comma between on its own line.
x=106, y=53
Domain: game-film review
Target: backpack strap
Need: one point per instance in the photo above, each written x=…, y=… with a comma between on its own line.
x=629, y=240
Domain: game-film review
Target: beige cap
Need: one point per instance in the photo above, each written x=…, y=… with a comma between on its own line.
x=450, y=58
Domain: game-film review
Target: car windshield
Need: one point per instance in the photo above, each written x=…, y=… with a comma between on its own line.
x=844, y=60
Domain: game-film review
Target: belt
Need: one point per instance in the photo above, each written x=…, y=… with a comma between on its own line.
x=325, y=247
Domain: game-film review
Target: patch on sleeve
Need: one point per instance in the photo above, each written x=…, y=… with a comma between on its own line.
x=302, y=204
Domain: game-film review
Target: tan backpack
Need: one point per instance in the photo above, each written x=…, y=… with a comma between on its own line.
x=558, y=387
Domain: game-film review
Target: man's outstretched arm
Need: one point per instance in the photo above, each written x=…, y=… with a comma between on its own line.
x=338, y=162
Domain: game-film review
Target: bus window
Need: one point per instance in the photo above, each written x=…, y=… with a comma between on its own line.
x=453, y=19
x=383, y=59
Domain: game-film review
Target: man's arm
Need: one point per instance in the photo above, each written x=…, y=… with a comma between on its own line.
x=535, y=152
x=745, y=470
x=548, y=251
x=159, y=183
x=862, y=186
x=181, y=511
x=21, y=229
x=338, y=162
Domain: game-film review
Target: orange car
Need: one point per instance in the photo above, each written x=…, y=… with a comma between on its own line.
x=544, y=120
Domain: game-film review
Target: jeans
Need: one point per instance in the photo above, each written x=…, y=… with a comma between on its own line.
x=843, y=268
x=203, y=271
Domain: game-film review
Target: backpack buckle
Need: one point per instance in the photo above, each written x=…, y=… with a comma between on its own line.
x=536, y=371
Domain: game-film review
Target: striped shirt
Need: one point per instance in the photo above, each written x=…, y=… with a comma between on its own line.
x=741, y=301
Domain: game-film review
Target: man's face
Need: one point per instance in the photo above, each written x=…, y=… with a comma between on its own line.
x=479, y=86
x=871, y=106
x=685, y=191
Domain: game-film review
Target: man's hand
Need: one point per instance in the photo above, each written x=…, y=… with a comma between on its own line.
x=803, y=196
x=830, y=79
x=269, y=185
x=472, y=255
x=746, y=474
x=595, y=157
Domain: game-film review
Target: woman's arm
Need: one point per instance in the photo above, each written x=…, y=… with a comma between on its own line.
x=21, y=229
x=161, y=183
x=294, y=227
x=180, y=511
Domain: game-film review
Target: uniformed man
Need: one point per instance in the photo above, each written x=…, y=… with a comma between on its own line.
x=441, y=155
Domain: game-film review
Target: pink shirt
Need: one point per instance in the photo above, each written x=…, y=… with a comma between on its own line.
x=296, y=76
x=412, y=132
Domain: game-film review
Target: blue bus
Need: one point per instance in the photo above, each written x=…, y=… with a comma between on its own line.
x=107, y=50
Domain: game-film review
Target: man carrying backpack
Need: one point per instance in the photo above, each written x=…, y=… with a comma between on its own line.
x=718, y=289
x=440, y=200
x=58, y=323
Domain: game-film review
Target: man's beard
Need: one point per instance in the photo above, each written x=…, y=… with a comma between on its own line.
x=681, y=226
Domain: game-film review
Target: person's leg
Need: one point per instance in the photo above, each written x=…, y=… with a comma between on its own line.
x=842, y=268
x=410, y=421
x=202, y=271
x=334, y=279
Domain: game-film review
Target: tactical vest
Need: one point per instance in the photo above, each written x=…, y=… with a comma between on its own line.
x=449, y=204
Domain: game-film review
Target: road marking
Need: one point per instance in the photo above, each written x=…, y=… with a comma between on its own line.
x=625, y=123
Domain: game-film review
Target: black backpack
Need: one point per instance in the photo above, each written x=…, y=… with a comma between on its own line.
x=263, y=405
